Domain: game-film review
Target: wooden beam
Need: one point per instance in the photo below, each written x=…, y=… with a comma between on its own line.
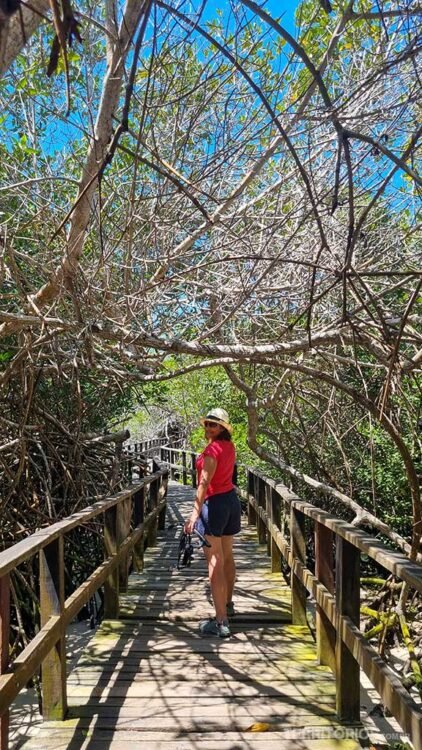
x=324, y=572
x=298, y=546
x=54, y=703
x=193, y=470
x=111, y=585
x=162, y=495
x=138, y=518
x=275, y=510
x=347, y=603
x=259, y=494
x=153, y=502
x=252, y=517
x=123, y=520
x=268, y=509
x=184, y=472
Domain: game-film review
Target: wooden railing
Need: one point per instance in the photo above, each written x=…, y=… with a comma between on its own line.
x=130, y=522
x=180, y=463
x=284, y=525
x=138, y=458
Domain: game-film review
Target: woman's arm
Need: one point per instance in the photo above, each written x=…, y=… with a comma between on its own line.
x=210, y=465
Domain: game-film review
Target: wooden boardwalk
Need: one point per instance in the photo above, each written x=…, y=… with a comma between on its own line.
x=150, y=681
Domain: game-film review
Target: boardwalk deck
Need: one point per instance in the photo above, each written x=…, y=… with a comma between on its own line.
x=149, y=680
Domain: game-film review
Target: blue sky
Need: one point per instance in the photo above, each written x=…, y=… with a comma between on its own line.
x=63, y=130
x=284, y=10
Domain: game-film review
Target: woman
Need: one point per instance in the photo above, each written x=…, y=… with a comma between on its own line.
x=216, y=515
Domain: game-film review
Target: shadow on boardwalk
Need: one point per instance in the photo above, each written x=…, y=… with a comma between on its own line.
x=150, y=680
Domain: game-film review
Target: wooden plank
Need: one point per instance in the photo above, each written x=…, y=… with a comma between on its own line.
x=191, y=717
x=175, y=617
x=136, y=676
x=227, y=664
x=263, y=674
x=130, y=721
x=120, y=691
x=252, y=740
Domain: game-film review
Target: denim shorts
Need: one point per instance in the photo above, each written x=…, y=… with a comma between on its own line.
x=220, y=515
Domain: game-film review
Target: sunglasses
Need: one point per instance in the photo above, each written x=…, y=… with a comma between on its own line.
x=211, y=424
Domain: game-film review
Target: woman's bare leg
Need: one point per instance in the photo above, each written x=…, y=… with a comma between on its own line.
x=216, y=572
x=229, y=566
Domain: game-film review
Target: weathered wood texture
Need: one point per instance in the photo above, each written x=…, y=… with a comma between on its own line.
x=47, y=648
x=149, y=679
x=324, y=571
x=349, y=651
x=52, y=604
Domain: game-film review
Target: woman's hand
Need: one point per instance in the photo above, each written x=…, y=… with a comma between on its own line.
x=208, y=471
x=189, y=525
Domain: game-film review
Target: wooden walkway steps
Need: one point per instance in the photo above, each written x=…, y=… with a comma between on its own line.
x=149, y=681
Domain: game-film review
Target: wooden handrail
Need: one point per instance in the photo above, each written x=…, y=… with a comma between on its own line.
x=23, y=550
x=334, y=586
x=124, y=510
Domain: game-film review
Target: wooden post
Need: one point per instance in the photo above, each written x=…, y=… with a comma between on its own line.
x=138, y=518
x=129, y=465
x=193, y=470
x=111, y=584
x=267, y=490
x=298, y=544
x=172, y=461
x=124, y=513
x=347, y=603
x=275, y=517
x=153, y=502
x=251, y=493
x=4, y=651
x=260, y=497
x=53, y=670
x=162, y=493
x=184, y=472
x=324, y=571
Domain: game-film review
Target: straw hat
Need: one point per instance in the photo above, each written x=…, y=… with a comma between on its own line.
x=219, y=416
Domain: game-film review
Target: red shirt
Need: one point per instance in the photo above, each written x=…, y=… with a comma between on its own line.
x=224, y=453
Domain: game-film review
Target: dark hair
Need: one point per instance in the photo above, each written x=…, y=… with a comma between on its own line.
x=224, y=435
